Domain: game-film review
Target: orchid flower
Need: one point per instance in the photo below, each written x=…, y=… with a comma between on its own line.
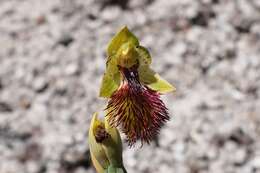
x=133, y=89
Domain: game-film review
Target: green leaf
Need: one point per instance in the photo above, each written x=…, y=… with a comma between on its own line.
x=153, y=80
x=123, y=36
x=112, y=169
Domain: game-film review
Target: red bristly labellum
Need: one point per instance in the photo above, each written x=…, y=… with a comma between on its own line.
x=136, y=109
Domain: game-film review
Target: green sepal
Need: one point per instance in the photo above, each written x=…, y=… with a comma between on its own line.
x=109, y=85
x=153, y=80
x=111, y=79
x=148, y=76
x=123, y=36
x=124, y=50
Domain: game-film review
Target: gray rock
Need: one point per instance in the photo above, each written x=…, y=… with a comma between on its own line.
x=40, y=84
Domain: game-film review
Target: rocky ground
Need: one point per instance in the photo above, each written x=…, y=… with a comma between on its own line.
x=52, y=57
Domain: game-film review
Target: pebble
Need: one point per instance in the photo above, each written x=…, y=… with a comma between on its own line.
x=72, y=69
x=60, y=87
x=255, y=162
x=40, y=84
x=65, y=40
x=5, y=107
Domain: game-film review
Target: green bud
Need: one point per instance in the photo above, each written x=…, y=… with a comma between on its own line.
x=98, y=155
x=105, y=146
x=113, y=146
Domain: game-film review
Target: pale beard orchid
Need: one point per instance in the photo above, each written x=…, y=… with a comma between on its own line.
x=134, y=90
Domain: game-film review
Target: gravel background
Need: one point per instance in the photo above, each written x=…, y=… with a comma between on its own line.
x=52, y=57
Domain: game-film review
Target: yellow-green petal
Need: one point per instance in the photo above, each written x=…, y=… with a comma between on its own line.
x=144, y=56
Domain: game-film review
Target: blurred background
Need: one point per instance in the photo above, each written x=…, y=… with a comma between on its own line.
x=52, y=58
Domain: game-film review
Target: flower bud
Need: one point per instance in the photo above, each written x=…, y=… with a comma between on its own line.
x=113, y=146
x=105, y=146
x=98, y=155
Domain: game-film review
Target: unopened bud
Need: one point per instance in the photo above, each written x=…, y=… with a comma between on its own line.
x=105, y=146
x=97, y=152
